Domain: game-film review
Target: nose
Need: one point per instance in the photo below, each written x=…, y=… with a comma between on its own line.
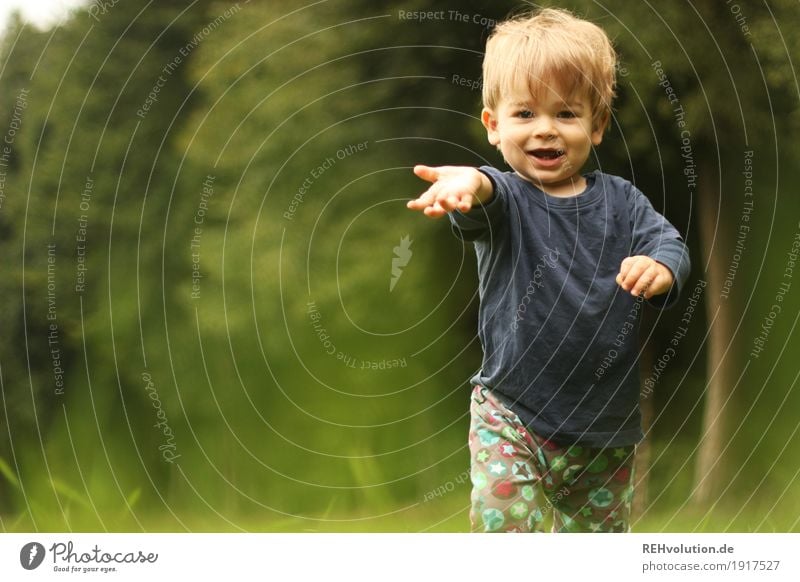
x=544, y=128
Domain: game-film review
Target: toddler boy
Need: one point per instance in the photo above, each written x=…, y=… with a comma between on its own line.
x=565, y=261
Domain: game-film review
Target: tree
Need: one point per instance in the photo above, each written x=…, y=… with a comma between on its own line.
x=705, y=65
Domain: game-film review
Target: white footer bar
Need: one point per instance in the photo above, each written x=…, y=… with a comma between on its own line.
x=390, y=557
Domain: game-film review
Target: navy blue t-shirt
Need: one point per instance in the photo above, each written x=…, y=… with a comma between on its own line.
x=559, y=336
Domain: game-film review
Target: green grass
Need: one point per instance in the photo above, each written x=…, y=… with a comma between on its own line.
x=449, y=514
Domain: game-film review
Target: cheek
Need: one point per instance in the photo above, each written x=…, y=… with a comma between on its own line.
x=508, y=139
x=517, y=137
x=581, y=141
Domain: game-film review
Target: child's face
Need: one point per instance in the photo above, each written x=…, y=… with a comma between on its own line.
x=546, y=141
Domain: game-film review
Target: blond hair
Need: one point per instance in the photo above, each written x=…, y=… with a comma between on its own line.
x=551, y=47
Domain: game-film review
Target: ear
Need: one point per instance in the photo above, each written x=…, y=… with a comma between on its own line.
x=599, y=130
x=490, y=123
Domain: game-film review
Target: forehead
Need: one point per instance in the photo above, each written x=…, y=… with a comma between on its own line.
x=543, y=92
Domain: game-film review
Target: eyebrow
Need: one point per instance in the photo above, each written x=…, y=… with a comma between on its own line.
x=570, y=104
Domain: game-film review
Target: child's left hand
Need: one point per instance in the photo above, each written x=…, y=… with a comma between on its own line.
x=643, y=275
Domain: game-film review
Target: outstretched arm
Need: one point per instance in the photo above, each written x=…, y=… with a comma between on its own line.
x=452, y=188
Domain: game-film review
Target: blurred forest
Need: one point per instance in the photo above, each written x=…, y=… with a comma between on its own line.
x=218, y=315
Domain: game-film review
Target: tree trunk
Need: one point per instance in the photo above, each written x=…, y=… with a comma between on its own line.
x=647, y=405
x=720, y=370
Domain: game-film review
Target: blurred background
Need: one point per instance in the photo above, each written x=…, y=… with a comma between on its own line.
x=218, y=315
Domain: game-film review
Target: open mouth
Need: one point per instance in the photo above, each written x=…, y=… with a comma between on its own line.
x=547, y=153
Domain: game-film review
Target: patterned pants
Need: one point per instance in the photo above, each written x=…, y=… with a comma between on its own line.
x=587, y=490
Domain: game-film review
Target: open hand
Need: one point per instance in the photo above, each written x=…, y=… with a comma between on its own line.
x=452, y=188
x=642, y=275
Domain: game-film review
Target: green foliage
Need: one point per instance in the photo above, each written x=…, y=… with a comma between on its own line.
x=259, y=305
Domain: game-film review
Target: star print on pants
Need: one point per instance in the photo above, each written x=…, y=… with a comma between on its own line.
x=482, y=456
x=504, y=489
x=522, y=470
x=507, y=450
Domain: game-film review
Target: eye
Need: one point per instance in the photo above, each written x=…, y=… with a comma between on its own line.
x=566, y=114
x=524, y=114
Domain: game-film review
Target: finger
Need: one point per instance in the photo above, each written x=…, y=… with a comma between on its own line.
x=656, y=285
x=636, y=281
x=661, y=284
x=427, y=173
x=434, y=211
x=466, y=203
x=448, y=201
x=635, y=270
x=644, y=281
x=419, y=203
x=416, y=203
x=426, y=198
x=624, y=267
